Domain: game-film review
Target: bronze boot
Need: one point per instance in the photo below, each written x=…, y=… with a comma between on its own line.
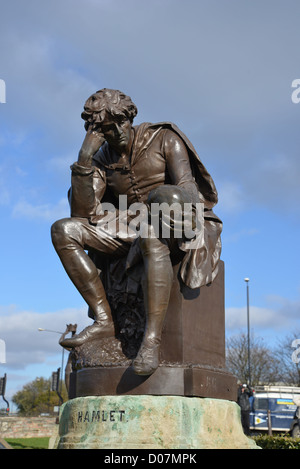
x=102, y=327
x=147, y=359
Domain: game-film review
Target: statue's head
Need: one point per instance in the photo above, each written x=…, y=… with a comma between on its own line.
x=105, y=104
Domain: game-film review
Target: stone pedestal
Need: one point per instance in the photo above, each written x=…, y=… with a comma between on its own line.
x=151, y=422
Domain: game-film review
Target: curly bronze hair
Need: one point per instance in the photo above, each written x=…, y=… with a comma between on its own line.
x=106, y=101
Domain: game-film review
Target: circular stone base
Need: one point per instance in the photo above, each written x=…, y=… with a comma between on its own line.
x=151, y=422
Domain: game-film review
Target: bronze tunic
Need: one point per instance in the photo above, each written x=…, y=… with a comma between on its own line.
x=147, y=169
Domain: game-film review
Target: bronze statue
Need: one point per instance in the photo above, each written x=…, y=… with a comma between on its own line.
x=149, y=164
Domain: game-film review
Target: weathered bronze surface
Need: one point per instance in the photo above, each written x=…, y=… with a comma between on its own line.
x=131, y=281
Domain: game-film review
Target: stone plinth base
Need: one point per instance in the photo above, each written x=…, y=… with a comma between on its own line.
x=151, y=422
x=167, y=380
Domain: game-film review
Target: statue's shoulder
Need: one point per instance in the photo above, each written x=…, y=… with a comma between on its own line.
x=148, y=130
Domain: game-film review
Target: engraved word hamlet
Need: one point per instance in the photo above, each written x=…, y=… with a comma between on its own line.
x=101, y=416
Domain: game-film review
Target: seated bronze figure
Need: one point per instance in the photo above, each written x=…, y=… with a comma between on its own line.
x=149, y=164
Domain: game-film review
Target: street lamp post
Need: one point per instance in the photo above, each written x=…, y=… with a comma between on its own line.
x=49, y=330
x=248, y=329
x=63, y=351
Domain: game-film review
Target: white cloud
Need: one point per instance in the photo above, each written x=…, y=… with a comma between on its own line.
x=260, y=317
x=25, y=345
x=44, y=212
x=281, y=317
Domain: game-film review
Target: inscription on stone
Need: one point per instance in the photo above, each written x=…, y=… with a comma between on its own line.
x=101, y=416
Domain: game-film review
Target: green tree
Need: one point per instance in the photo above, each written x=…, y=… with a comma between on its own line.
x=36, y=398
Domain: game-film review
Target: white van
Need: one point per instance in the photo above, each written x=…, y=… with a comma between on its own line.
x=282, y=402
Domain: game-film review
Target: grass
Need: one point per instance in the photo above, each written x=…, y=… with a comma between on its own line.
x=28, y=443
x=264, y=441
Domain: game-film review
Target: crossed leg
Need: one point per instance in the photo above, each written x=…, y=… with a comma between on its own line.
x=71, y=237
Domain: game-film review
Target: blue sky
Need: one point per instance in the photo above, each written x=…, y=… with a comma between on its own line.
x=222, y=70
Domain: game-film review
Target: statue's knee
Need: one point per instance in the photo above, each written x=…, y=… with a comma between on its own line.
x=168, y=194
x=170, y=212
x=60, y=231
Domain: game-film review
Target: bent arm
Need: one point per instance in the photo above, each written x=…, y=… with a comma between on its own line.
x=88, y=183
x=178, y=164
x=91, y=144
